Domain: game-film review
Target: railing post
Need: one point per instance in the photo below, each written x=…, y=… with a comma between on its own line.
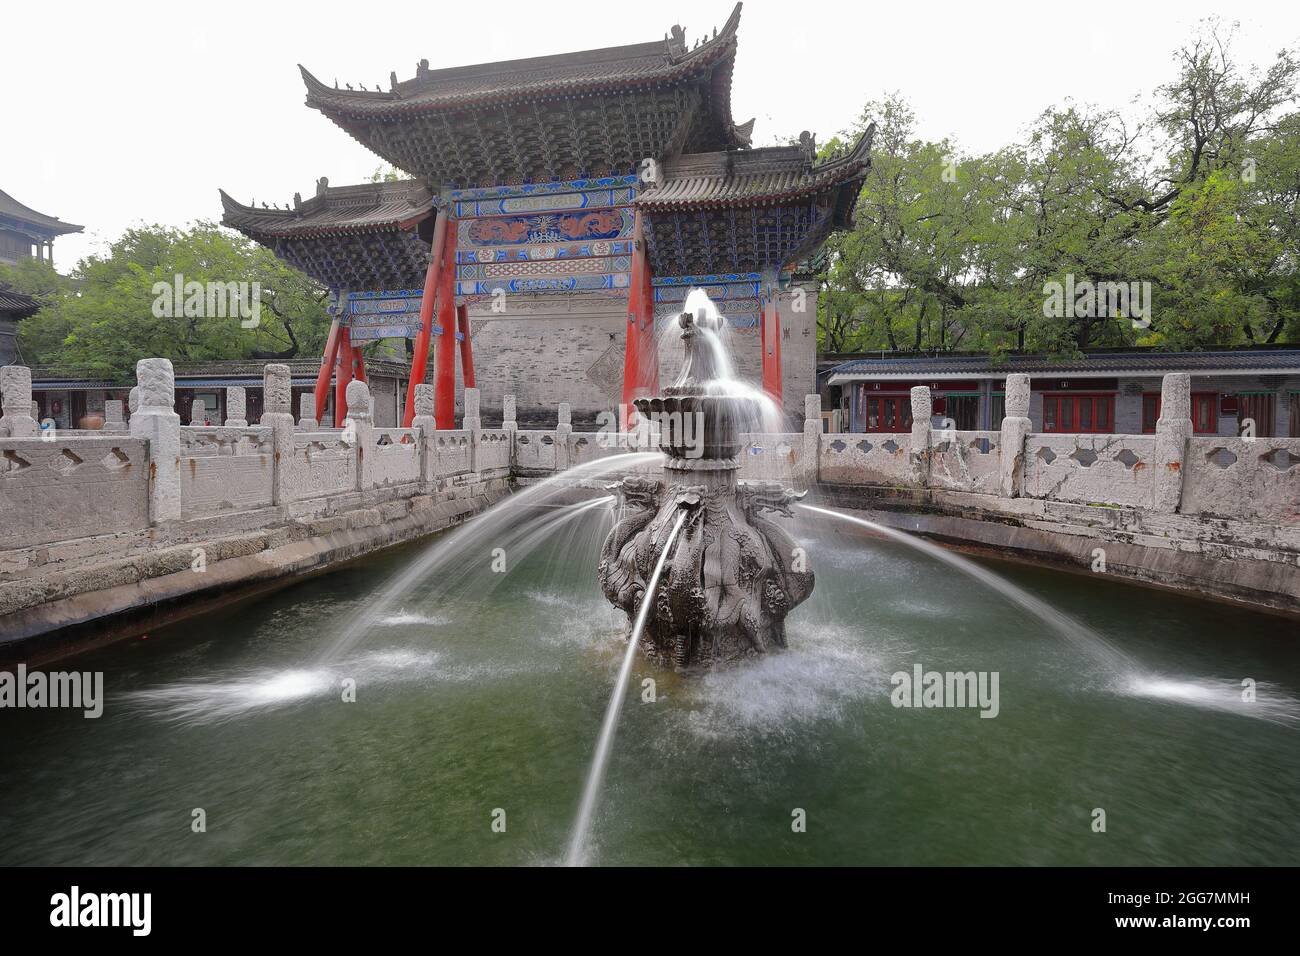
x=236, y=407
x=155, y=420
x=114, y=423
x=922, y=410
x=358, y=398
x=812, y=439
x=425, y=424
x=508, y=413
x=16, y=396
x=1173, y=431
x=563, y=436
x=277, y=394
x=1011, y=439
x=198, y=411
x=306, y=412
x=473, y=423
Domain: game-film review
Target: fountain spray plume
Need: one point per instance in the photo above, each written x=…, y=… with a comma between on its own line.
x=1102, y=650
x=494, y=520
x=605, y=743
x=764, y=415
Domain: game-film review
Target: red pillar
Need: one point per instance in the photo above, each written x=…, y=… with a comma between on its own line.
x=770, y=337
x=342, y=376
x=327, y=362
x=649, y=342
x=360, y=373
x=466, y=346
x=420, y=360
x=444, y=389
x=639, y=350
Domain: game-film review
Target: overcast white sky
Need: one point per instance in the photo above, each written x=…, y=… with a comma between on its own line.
x=116, y=113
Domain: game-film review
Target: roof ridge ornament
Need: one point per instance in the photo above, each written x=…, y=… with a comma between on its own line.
x=809, y=144
x=677, y=43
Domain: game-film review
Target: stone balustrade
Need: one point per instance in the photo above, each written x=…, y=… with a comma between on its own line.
x=163, y=471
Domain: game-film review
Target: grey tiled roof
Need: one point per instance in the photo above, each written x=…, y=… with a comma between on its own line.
x=10, y=206
x=368, y=207
x=466, y=87
x=1243, y=361
x=765, y=176
x=17, y=303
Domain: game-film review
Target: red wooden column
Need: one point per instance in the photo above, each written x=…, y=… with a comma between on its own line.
x=444, y=388
x=420, y=360
x=360, y=373
x=649, y=342
x=466, y=346
x=640, y=358
x=331, y=354
x=770, y=337
x=342, y=376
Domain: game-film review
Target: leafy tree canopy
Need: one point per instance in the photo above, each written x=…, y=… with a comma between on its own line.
x=1198, y=199
x=101, y=320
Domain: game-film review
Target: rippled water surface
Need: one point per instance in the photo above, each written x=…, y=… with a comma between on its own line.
x=489, y=696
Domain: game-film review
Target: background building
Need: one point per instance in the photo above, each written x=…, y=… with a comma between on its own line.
x=560, y=209
x=26, y=233
x=1102, y=392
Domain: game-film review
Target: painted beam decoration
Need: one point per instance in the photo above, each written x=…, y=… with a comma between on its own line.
x=385, y=315
x=573, y=236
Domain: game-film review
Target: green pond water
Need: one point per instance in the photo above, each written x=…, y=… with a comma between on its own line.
x=486, y=694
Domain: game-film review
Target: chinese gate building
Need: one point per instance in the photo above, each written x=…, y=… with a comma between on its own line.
x=558, y=206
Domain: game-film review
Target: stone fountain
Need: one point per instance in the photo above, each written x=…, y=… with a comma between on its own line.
x=733, y=574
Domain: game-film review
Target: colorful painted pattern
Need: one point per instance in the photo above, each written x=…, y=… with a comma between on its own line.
x=570, y=283
x=607, y=223
x=551, y=237
x=545, y=252
x=533, y=189
x=556, y=202
x=383, y=315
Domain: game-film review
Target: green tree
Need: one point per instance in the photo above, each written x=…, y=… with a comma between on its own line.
x=1198, y=199
x=102, y=320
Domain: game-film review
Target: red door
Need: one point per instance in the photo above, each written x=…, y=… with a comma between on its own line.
x=888, y=413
